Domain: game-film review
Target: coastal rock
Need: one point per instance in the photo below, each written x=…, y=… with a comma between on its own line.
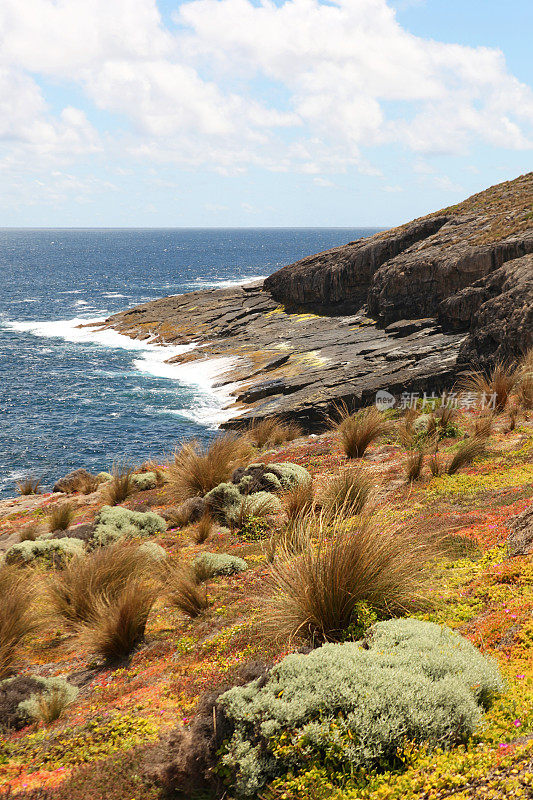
x=520, y=540
x=403, y=310
x=72, y=482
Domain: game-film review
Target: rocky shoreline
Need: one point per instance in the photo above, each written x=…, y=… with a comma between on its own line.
x=404, y=310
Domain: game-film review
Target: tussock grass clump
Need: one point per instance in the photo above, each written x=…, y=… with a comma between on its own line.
x=357, y=431
x=466, y=453
x=298, y=501
x=17, y=615
x=121, y=486
x=118, y=622
x=348, y=492
x=414, y=464
x=348, y=574
x=483, y=426
x=60, y=517
x=203, y=528
x=74, y=594
x=494, y=386
x=195, y=469
x=29, y=486
x=272, y=432
x=524, y=383
x=30, y=532
x=183, y=590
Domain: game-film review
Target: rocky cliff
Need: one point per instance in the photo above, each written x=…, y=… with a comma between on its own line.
x=403, y=310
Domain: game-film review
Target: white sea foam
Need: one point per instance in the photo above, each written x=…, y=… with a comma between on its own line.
x=207, y=403
x=113, y=294
x=205, y=283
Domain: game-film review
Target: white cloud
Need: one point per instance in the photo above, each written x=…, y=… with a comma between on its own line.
x=350, y=77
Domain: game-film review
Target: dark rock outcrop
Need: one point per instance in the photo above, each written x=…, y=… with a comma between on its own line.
x=403, y=310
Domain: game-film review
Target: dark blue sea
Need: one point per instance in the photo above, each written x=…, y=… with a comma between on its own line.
x=72, y=398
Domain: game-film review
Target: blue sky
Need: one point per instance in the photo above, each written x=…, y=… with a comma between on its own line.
x=258, y=112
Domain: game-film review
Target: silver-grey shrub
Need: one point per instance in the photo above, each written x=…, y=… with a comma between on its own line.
x=353, y=708
x=46, y=551
x=116, y=523
x=209, y=565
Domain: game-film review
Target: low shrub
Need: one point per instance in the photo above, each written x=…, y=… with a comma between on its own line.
x=195, y=470
x=223, y=501
x=253, y=506
x=209, y=565
x=49, y=701
x=275, y=477
x=345, y=572
x=17, y=615
x=114, y=524
x=48, y=552
x=144, y=480
x=61, y=517
x=352, y=708
x=104, y=477
x=188, y=512
x=30, y=532
x=357, y=431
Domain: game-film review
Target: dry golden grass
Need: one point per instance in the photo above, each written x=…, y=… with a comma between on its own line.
x=30, y=532
x=50, y=705
x=298, y=501
x=483, y=426
x=195, y=469
x=524, y=382
x=60, y=517
x=315, y=595
x=118, y=621
x=182, y=588
x=29, y=486
x=17, y=615
x=357, y=431
x=414, y=464
x=201, y=531
x=495, y=385
x=120, y=488
x=466, y=453
x=347, y=493
x=272, y=432
x=75, y=592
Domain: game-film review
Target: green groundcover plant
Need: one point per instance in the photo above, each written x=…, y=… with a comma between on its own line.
x=356, y=705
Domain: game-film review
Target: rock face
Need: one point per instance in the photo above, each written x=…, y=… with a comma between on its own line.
x=520, y=540
x=402, y=310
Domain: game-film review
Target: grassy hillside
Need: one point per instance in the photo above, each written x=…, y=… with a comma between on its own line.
x=105, y=744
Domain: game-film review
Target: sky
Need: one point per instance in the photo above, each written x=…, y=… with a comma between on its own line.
x=250, y=113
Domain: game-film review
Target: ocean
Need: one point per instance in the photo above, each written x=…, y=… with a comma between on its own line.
x=75, y=398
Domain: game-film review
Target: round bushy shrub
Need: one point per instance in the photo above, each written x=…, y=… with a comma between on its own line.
x=223, y=501
x=208, y=565
x=103, y=477
x=47, y=551
x=353, y=706
x=115, y=523
x=144, y=480
x=259, y=477
x=153, y=550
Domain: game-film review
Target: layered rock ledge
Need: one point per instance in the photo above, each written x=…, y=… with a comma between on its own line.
x=403, y=310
